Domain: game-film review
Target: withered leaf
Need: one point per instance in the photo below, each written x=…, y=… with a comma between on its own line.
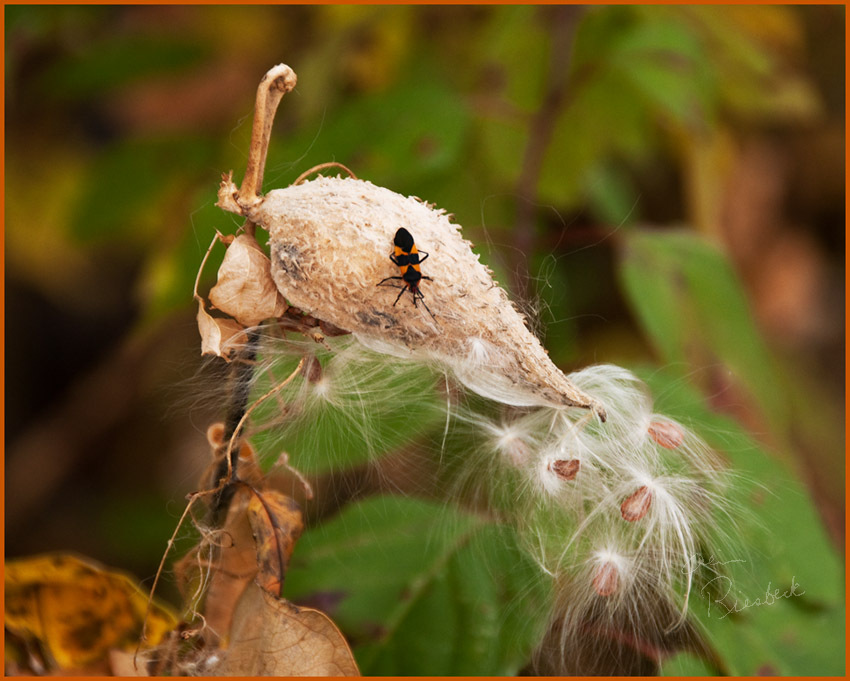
x=233, y=567
x=128, y=663
x=78, y=611
x=272, y=637
x=249, y=466
x=245, y=289
x=276, y=523
x=219, y=337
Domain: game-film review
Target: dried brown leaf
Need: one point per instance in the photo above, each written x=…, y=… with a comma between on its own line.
x=276, y=523
x=219, y=337
x=249, y=466
x=245, y=289
x=234, y=567
x=272, y=637
x=128, y=663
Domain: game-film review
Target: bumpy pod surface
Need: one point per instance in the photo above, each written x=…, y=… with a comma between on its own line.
x=330, y=242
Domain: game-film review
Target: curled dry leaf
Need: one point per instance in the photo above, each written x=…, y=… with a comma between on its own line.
x=249, y=466
x=219, y=337
x=330, y=242
x=637, y=504
x=666, y=434
x=244, y=289
x=272, y=637
x=565, y=469
x=276, y=524
x=77, y=611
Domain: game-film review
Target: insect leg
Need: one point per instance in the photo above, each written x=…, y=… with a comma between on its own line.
x=422, y=298
x=400, y=293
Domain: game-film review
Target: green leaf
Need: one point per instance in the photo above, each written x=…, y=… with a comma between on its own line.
x=126, y=185
x=774, y=540
x=424, y=589
x=612, y=194
x=686, y=664
x=399, y=137
x=694, y=311
x=605, y=116
x=598, y=32
x=517, y=43
x=666, y=64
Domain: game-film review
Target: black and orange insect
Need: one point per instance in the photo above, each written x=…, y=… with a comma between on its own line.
x=408, y=259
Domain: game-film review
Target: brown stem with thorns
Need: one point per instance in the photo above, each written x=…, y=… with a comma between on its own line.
x=274, y=85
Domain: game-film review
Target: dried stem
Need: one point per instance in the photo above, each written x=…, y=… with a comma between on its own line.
x=276, y=83
x=324, y=166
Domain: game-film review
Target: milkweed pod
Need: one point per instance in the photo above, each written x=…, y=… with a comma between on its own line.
x=330, y=239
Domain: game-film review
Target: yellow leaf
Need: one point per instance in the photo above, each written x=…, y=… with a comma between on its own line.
x=77, y=610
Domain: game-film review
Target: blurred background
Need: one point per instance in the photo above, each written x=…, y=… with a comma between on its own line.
x=551, y=133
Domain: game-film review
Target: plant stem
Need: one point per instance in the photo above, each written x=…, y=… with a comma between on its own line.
x=274, y=85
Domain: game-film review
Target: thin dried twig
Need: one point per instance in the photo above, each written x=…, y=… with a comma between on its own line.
x=323, y=166
x=257, y=403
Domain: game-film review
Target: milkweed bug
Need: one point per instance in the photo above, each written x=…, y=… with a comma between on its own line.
x=406, y=256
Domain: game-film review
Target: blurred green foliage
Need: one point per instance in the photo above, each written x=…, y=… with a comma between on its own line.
x=566, y=140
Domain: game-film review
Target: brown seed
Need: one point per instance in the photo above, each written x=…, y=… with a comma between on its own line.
x=606, y=579
x=636, y=506
x=666, y=434
x=565, y=469
x=312, y=369
x=515, y=450
x=330, y=330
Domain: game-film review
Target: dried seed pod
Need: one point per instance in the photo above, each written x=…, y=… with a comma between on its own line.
x=637, y=504
x=330, y=242
x=565, y=469
x=666, y=434
x=606, y=579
